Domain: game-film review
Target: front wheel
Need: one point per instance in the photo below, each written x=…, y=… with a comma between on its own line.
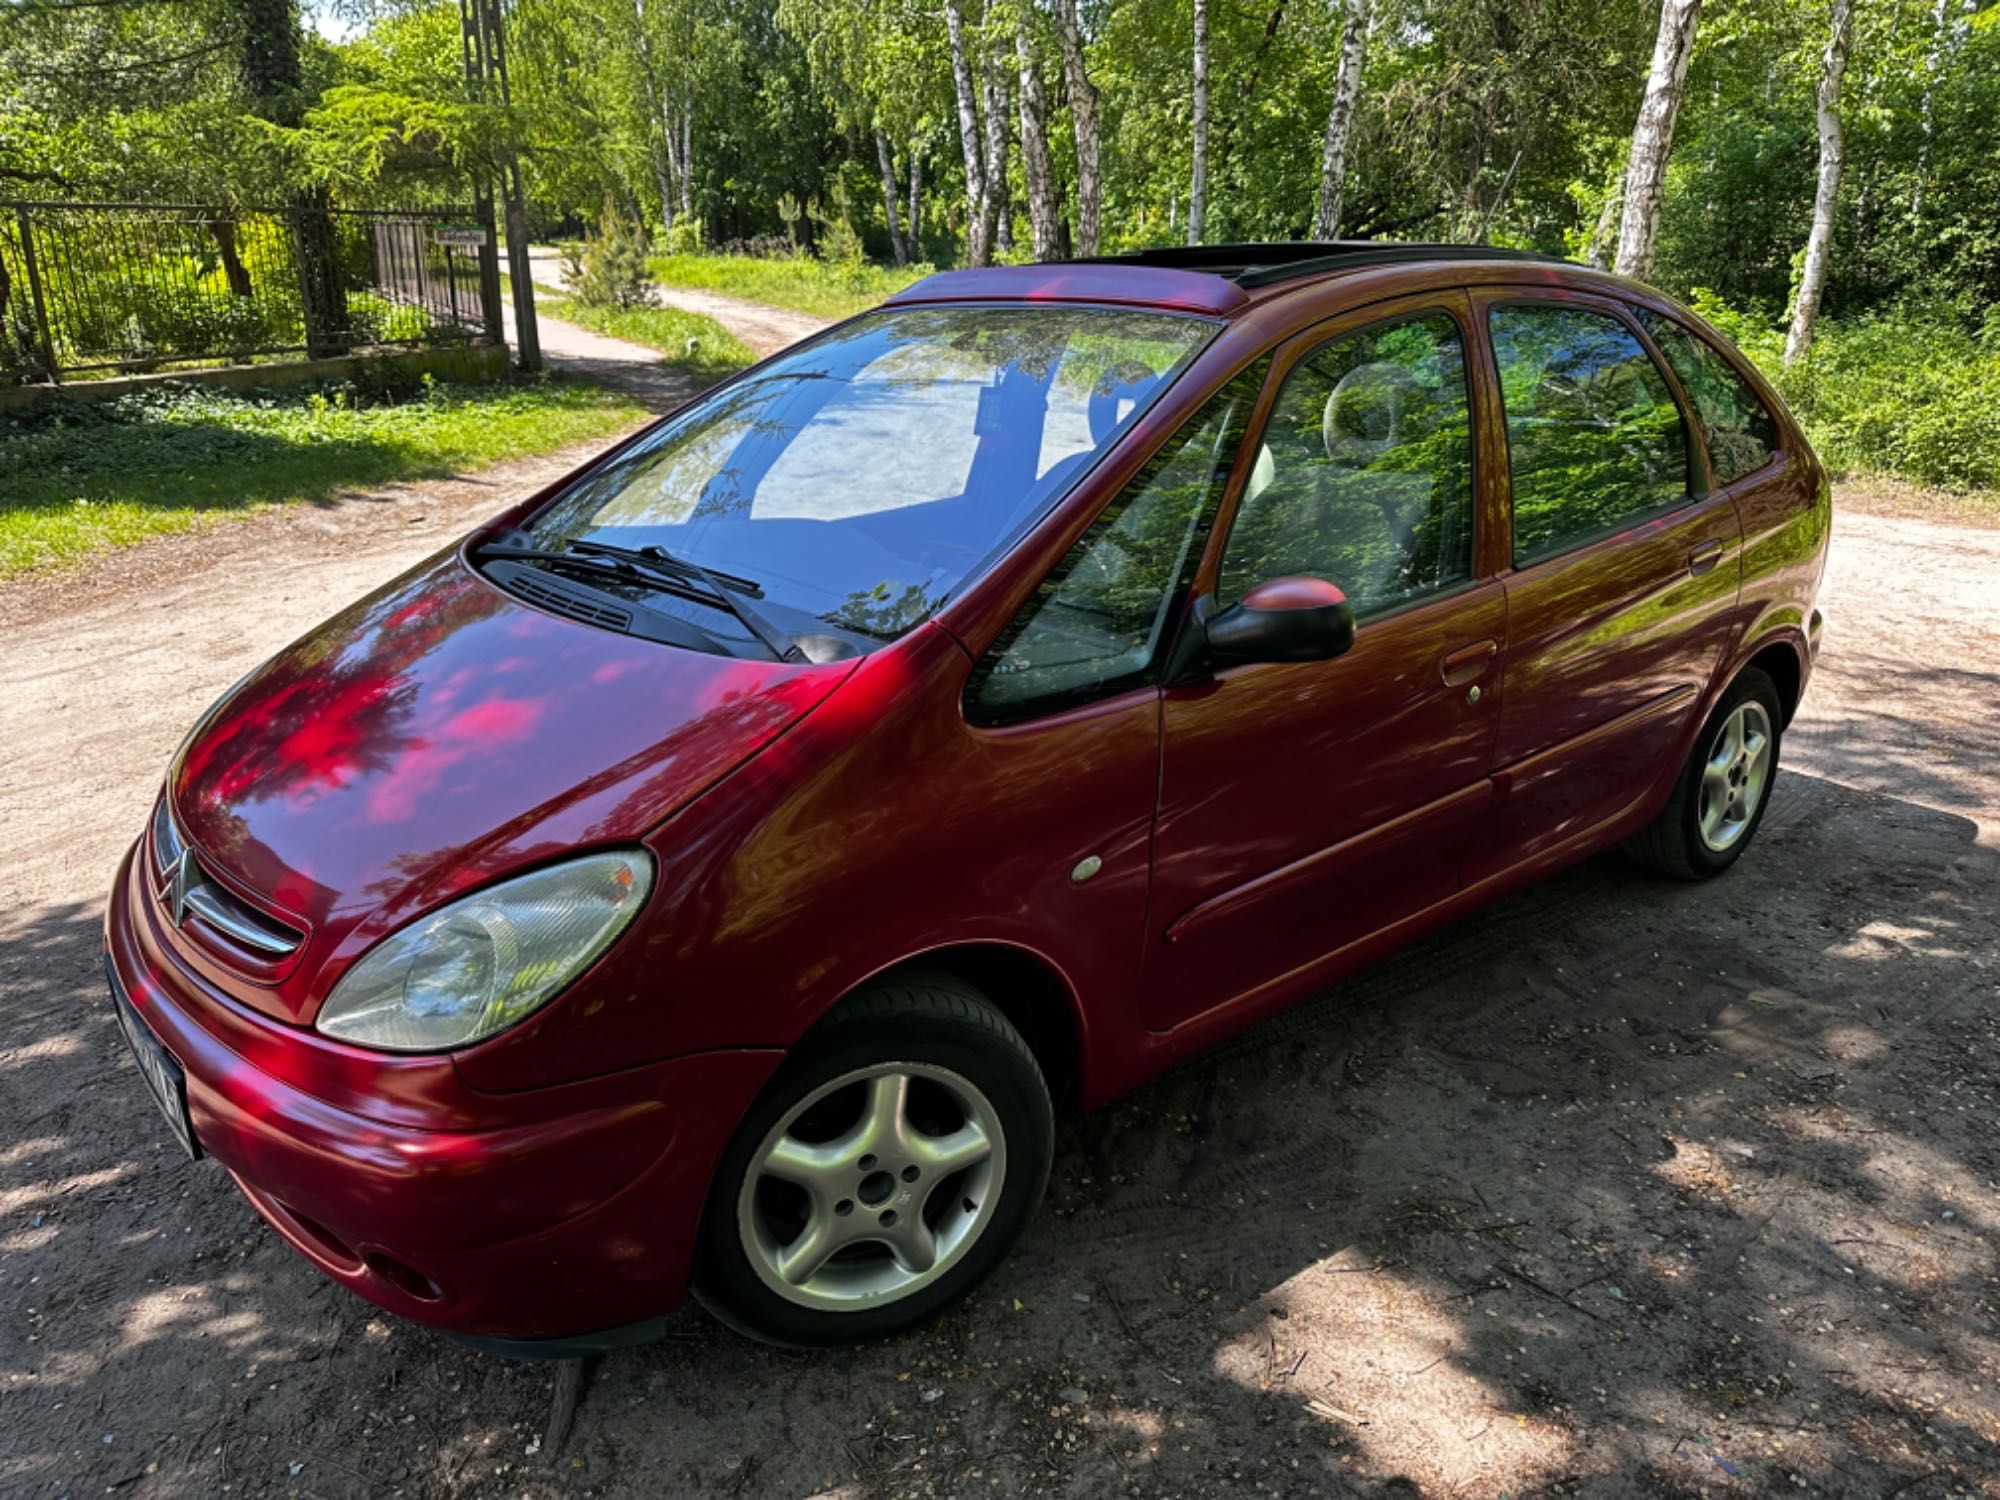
x=1719, y=800
x=887, y=1169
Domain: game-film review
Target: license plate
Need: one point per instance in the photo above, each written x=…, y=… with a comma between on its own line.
x=164, y=1078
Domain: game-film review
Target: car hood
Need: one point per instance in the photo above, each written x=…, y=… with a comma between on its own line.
x=440, y=733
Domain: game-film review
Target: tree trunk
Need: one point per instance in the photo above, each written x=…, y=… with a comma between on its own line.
x=888, y=162
x=675, y=172
x=1044, y=214
x=1940, y=25
x=275, y=81
x=1197, y=220
x=1340, y=121
x=1653, y=138
x=222, y=229
x=1832, y=155
x=999, y=208
x=978, y=223
x=1607, y=221
x=1083, y=116
x=916, y=201
x=687, y=156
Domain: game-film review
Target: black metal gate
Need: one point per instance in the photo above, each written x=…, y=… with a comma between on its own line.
x=122, y=287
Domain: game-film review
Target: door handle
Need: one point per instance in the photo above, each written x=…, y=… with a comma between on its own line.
x=1468, y=662
x=1704, y=558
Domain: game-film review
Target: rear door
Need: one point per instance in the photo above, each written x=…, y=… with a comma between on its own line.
x=1624, y=577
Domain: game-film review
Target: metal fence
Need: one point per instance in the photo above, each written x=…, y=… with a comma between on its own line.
x=128, y=287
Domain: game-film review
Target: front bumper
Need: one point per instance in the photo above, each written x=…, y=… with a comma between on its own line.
x=546, y=1215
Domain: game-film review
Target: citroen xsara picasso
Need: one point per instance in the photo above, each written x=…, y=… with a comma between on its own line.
x=719, y=870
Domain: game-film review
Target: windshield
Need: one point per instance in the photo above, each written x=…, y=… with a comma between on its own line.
x=857, y=481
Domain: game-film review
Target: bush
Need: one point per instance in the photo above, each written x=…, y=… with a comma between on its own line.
x=611, y=269
x=684, y=238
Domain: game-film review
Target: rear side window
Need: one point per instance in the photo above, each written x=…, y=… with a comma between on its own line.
x=1742, y=437
x=1364, y=476
x=1098, y=621
x=1593, y=436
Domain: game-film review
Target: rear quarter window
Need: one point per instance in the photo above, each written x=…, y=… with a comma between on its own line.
x=1742, y=434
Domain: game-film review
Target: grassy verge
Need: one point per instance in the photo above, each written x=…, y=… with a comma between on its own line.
x=801, y=283
x=698, y=345
x=78, y=478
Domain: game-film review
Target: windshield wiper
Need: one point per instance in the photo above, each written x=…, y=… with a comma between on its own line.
x=655, y=556
x=725, y=589
x=684, y=580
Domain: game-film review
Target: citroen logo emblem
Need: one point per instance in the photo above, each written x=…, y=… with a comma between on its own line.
x=186, y=874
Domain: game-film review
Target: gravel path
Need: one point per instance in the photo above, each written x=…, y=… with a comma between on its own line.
x=1622, y=1187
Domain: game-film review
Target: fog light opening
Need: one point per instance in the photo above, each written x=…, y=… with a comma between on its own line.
x=324, y=1240
x=405, y=1278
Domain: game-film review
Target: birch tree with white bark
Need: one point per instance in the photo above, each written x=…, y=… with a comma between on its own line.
x=1044, y=209
x=1340, y=118
x=978, y=208
x=1826, y=200
x=1083, y=120
x=1653, y=138
x=1197, y=221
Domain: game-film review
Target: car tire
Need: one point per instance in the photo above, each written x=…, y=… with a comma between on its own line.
x=841, y=1180
x=1718, y=802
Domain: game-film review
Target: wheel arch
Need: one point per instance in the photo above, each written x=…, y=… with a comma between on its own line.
x=1783, y=661
x=1026, y=988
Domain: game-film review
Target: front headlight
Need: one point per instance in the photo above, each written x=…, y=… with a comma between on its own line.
x=479, y=964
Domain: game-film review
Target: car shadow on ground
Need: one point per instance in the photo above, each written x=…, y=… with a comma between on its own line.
x=1623, y=1185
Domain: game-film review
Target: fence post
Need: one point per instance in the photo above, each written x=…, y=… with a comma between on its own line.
x=35, y=292
x=489, y=273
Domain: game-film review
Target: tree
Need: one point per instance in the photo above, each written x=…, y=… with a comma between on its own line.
x=1083, y=121
x=1832, y=156
x=978, y=202
x=1197, y=223
x=1044, y=211
x=1340, y=118
x=1653, y=137
x=999, y=106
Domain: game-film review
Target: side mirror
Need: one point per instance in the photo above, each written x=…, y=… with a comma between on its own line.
x=1284, y=619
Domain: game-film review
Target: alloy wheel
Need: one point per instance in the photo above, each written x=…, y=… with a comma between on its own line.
x=1735, y=775
x=872, y=1186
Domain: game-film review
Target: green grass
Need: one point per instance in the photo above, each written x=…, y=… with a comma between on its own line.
x=801, y=283
x=717, y=352
x=81, y=477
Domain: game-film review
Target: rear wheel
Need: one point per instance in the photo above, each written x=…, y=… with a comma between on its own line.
x=1719, y=801
x=887, y=1169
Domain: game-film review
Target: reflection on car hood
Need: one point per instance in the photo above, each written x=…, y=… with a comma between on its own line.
x=440, y=733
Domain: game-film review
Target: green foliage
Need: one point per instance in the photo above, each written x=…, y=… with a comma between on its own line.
x=691, y=342
x=1905, y=392
x=89, y=475
x=839, y=246
x=611, y=268
x=685, y=238
x=800, y=283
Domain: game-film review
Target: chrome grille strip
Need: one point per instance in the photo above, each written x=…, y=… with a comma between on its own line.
x=233, y=920
x=188, y=888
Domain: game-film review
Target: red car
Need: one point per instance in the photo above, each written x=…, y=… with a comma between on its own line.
x=719, y=871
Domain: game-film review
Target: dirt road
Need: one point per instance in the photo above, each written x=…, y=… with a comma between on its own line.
x=1622, y=1187
x=765, y=329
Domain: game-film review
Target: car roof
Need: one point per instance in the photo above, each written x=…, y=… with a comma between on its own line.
x=1212, y=279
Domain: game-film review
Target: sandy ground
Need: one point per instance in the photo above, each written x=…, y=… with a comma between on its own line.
x=1624, y=1187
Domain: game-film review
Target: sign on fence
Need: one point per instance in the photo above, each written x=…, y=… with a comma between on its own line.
x=472, y=235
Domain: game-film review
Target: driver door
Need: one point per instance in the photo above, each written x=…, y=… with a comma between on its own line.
x=1306, y=806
